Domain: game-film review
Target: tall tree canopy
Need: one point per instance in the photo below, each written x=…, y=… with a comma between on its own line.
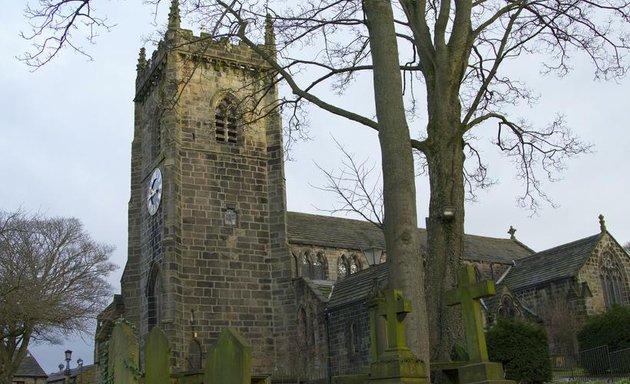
x=52, y=283
x=442, y=60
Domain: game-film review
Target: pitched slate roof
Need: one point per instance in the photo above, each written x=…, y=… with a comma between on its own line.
x=335, y=232
x=29, y=367
x=321, y=288
x=358, y=286
x=560, y=262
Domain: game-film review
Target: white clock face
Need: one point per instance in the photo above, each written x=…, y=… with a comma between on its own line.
x=154, y=191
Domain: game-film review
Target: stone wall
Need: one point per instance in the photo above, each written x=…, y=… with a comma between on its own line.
x=349, y=339
x=590, y=273
x=216, y=247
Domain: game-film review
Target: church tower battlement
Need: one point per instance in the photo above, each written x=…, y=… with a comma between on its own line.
x=207, y=213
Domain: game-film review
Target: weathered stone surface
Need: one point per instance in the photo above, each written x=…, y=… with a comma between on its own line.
x=229, y=361
x=157, y=355
x=467, y=294
x=122, y=365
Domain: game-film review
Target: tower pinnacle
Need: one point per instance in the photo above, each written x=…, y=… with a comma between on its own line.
x=173, y=15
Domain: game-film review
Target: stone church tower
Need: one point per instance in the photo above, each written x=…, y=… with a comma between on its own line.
x=207, y=214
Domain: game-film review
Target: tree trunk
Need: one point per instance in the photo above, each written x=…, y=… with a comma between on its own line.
x=399, y=191
x=445, y=240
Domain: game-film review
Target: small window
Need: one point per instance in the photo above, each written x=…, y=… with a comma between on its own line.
x=226, y=122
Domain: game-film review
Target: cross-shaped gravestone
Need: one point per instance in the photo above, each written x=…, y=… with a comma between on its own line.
x=468, y=294
x=394, y=308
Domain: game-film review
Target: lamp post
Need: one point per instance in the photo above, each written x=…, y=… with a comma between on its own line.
x=80, y=364
x=66, y=373
x=373, y=255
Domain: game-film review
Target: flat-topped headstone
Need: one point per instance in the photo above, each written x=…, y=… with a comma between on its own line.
x=157, y=356
x=229, y=360
x=123, y=360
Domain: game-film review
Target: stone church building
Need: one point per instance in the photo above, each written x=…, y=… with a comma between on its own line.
x=211, y=244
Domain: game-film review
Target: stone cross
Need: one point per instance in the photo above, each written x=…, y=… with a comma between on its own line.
x=468, y=294
x=394, y=308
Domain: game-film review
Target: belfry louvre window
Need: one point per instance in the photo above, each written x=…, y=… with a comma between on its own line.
x=226, y=122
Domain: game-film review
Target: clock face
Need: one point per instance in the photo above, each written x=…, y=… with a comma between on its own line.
x=154, y=191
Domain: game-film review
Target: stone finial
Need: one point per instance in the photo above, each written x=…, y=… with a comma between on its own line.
x=512, y=231
x=142, y=60
x=270, y=35
x=602, y=223
x=173, y=15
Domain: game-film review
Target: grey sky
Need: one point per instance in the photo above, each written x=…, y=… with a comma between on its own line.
x=66, y=131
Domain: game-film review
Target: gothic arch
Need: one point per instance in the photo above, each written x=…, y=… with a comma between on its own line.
x=343, y=267
x=154, y=297
x=354, y=264
x=302, y=327
x=227, y=118
x=319, y=267
x=305, y=264
x=612, y=279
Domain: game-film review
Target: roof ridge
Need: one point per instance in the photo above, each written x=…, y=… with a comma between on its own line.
x=545, y=252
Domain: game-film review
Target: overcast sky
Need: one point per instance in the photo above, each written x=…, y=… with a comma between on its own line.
x=66, y=131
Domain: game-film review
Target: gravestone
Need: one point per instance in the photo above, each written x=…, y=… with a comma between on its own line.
x=122, y=364
x=479, y=369
x=394, y=363
x=157, y=356
x=229, y=361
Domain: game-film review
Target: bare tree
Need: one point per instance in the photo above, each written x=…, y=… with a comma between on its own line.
x=55, y=24
x=355, y=188
x=445, y=60
x=52, y=283
x=562, y=322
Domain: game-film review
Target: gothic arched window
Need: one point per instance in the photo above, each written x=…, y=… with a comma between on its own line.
x=354, y=265
x=342, y=267
x=302, y=330
x=226, y=122
x=478, y=276
x=319, y=267
x=305, y=264
x=154, y=297
x=612, y=280
x=507, y=310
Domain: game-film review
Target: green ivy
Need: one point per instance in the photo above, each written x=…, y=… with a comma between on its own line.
x=522, y=348
x=609, y=328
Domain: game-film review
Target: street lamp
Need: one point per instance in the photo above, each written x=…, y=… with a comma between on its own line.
x=373, y=255
x=66, y=373
x=80, y=364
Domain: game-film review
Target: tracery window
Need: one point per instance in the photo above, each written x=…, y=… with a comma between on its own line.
x=354, y=265
x=319, y=267
x=305, y=264
x=507, y=309
x=342, y=267
x=226, y=122
x=612, y=280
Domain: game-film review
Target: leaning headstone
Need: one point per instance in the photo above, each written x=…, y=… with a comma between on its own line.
x=395, y=363
x=479, y=369
x=229, y=361
x=122, y=364
x=157, y=356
